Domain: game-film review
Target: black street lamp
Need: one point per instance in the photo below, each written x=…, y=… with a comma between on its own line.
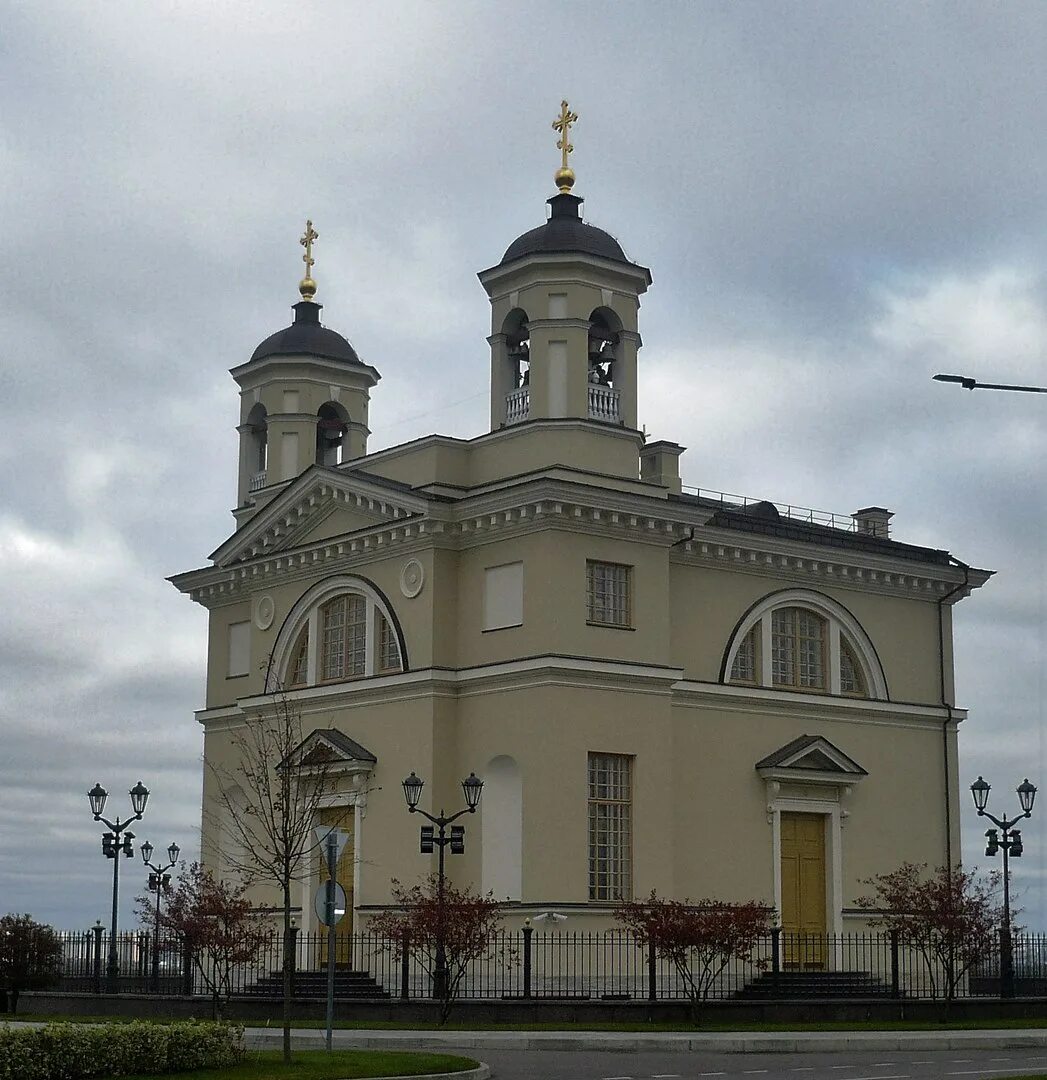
x=159, y=882
x=472, y=786
x=1010, y=843
x=112, y=846
x=972, y=384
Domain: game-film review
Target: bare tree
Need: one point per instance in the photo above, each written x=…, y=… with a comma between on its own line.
x=284, y=787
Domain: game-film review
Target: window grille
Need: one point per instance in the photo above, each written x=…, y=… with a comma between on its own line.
x=299, y=667
x=344, y=637
x=610, y=827
x=797, y=648
x=607, y=594
x=388, y=646
x=851, y=680
x=744, y=667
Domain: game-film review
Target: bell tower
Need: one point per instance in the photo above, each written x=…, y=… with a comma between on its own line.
x=565, y=303
x=304, y=396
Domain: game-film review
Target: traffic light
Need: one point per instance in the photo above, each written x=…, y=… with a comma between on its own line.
x=992, y=841
x=153, y=883
x=127, y=846
x=108, y=841
x=427, y=839
x=457, y=839
x=1016, y=844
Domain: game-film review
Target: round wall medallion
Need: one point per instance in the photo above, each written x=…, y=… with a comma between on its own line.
x=412, y=578
x=264, y=610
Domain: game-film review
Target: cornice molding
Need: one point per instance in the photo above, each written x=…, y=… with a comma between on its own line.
x=269, y=545
x=578, y=671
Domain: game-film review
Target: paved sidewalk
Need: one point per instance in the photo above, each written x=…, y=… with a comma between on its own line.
x=724, y=1042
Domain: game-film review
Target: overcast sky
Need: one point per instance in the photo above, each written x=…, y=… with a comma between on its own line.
x=836, y=201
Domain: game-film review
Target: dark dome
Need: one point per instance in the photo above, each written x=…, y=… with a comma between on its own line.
x=306, y=335
x=565, y=232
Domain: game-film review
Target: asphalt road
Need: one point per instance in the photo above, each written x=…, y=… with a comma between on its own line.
x=698, y=1065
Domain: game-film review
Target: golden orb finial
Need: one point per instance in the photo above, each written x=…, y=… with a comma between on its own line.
x=307, y=287
x=564, y=175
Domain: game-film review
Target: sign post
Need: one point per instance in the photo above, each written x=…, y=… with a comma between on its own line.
x=329, y=918
x=330, y=905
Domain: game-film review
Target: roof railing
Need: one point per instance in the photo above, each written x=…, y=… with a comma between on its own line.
x=844, y=522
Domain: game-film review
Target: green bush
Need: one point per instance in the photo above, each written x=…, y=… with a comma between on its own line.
x=89, y=1051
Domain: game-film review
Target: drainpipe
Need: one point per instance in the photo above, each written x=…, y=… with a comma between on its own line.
x=948, y=706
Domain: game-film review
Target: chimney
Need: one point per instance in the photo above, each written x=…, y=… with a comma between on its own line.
x=660, y=464
x=874, y=521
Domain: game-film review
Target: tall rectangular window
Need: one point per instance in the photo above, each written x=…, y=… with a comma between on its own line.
x=610, y=827
x=608, y=602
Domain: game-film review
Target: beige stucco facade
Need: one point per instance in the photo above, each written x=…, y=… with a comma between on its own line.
x=478, y=553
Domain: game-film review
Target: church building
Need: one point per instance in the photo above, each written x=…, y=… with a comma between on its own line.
x=660, y=687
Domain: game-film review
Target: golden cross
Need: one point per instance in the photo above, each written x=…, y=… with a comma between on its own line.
x=307, y=287
x=307, y=242
x=563, y=126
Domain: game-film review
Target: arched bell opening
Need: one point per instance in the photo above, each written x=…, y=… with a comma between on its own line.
x=332, y=428
x=517, y=355
x=255, y=434
x=518, y=345
x=604, y=339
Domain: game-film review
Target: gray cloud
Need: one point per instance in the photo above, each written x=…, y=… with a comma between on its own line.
x=835, y=202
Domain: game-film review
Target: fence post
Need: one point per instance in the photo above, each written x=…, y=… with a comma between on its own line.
x=528, y=930
x=896, y=991
x=405, y=967
x=776, y=957
x=97, y=931
x=652, y=970
x=187, y=969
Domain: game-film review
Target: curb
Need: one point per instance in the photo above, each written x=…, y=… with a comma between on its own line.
x=715, y=1042
x=259, y=1039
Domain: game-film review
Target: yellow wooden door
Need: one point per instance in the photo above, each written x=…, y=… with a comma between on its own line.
x=803, y=889
x=340, y=818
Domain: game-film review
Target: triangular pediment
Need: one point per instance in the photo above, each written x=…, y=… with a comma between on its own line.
x=811, y=754
x=330, y=749
x=320, y=504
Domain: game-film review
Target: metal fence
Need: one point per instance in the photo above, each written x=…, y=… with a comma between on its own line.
x=569, y=965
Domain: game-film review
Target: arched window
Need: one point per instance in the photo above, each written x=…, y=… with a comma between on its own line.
x=804, y=641
x=341, y=629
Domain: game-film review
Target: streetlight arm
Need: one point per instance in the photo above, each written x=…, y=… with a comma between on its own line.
x=1003, y=823
x=972, y=384
x=118, y=826
x=442, y=820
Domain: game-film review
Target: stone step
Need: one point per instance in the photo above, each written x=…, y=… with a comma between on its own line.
x=814, y=984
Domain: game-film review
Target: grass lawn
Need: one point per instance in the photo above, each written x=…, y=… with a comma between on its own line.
x=319, y=1065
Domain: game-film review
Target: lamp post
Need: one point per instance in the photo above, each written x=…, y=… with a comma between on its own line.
x=111, y=849
x=972, y=384
x=159, y=881
x=1010, y=843
x=472, y=786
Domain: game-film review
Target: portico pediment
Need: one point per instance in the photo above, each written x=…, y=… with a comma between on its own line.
x=330, y=751
x=321, y=503
x=810, y=759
